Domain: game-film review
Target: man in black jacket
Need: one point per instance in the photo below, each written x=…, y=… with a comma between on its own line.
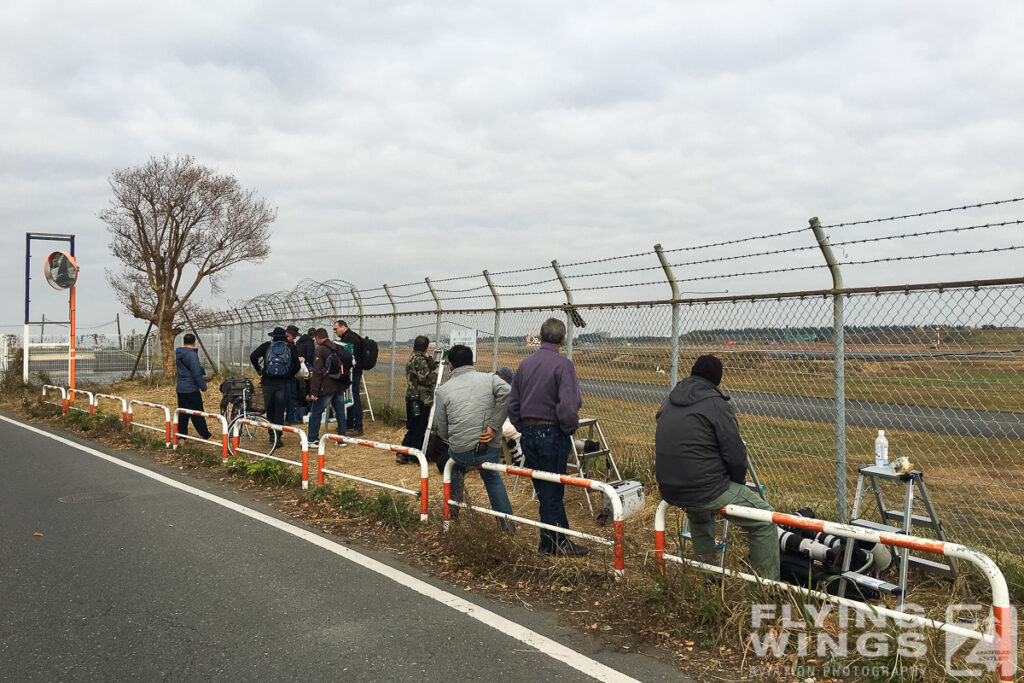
x=355, y=411
x=305, y=347
x=701, y=465
x=276, y=363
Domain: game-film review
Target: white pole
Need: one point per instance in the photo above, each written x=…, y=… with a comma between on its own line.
x=24, y=357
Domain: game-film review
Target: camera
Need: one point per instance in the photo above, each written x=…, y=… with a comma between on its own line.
x=481, y=448
x=415, y=407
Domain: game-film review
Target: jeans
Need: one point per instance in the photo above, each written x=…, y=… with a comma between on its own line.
x=763, y=537
x=547, y=449
x=415, y=427
x=492, y=480
x=355, y=411
x=274, y=398
x=337, y=401
x=192, y=400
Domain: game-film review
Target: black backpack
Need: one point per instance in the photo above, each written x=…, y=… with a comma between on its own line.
x=277, y=361
x=338, y=366
x=369, y=359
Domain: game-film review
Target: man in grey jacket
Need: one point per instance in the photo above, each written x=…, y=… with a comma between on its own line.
x=469, y=411
x=701, y=464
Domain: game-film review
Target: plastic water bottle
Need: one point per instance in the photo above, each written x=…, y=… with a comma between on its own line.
x=881, y=450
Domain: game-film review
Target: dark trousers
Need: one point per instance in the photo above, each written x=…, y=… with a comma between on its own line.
x=415, y=427
x=547, y=449
x=293, y=394
x=275, y=397
x=193, y=400
x=355, y=411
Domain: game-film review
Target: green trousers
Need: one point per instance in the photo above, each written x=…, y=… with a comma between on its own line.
x=762, y=536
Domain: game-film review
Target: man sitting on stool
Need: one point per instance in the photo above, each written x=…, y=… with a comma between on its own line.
x=701, y=465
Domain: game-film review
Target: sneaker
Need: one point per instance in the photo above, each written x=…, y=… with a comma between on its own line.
x=355, y=432
x=340, y=444
x=403, y=460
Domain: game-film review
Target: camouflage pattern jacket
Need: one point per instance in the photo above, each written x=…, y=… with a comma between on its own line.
x=421, y=373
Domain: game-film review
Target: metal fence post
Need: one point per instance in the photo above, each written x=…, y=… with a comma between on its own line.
x=568, y=310
x=394, y=345
x=359, y=305
x=497, y=323
x=674, y=372
x=838, y=360
x=437, y=302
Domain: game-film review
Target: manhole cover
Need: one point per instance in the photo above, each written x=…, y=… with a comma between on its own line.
x=101, y=497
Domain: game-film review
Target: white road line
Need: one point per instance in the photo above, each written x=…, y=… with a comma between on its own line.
x=542, y=644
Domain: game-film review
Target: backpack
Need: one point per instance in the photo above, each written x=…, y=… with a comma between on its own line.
x=338, y=366
x=277, y=361
x=369, y=358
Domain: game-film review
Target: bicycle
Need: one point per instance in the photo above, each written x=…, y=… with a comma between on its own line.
x=241, y=401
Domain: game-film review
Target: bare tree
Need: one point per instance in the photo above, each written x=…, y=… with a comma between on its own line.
x=175, y=224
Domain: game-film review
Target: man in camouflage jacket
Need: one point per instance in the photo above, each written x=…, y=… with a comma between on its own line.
x=421, y=374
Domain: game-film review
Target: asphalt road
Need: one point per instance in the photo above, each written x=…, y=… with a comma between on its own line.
x=136, y=578
x=983, y=423
x=980, y=423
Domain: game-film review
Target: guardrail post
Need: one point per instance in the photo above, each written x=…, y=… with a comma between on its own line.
x=838, y=364
x=568, y=310
x=437, y=302
x=394, y=346
x=497, y=321
x=674, y=371
x=359, y=305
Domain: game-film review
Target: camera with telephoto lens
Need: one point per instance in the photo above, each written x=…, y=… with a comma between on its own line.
x=481, y=448
x=415, y=408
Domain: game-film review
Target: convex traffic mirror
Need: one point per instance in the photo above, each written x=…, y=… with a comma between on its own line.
x=60, y=270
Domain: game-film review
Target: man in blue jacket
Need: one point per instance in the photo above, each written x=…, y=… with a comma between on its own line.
x=191, y=385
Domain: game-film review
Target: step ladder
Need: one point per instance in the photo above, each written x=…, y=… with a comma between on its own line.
x=896, y=521
x=721, y=545
x=440, y=357
x=588, y=445
x=368, y=403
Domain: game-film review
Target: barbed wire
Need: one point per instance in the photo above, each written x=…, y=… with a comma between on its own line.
x=277, y=302
x=927, y=233
x=935, y=212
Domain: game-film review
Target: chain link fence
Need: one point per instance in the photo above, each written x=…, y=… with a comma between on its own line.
x=940, y=367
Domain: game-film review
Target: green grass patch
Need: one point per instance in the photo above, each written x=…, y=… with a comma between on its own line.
x=384, y=508
x=265, y=471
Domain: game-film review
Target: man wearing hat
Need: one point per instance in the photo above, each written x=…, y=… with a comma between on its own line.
x=701, y=465
x=276, y=363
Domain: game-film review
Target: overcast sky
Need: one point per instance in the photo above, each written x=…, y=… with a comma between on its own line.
x=403, y=140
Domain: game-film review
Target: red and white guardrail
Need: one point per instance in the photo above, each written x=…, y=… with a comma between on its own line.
x=617, y=516
x=216, y=416
x=1001, y=635
x=63, y=405
x=281, y=428
x=71, y=399
x=167, y=418
x=124, y=406
x=403, y=450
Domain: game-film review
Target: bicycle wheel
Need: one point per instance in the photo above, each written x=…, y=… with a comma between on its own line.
x=253, y=440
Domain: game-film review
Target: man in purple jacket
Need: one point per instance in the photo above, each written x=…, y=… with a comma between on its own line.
x=544, y=407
